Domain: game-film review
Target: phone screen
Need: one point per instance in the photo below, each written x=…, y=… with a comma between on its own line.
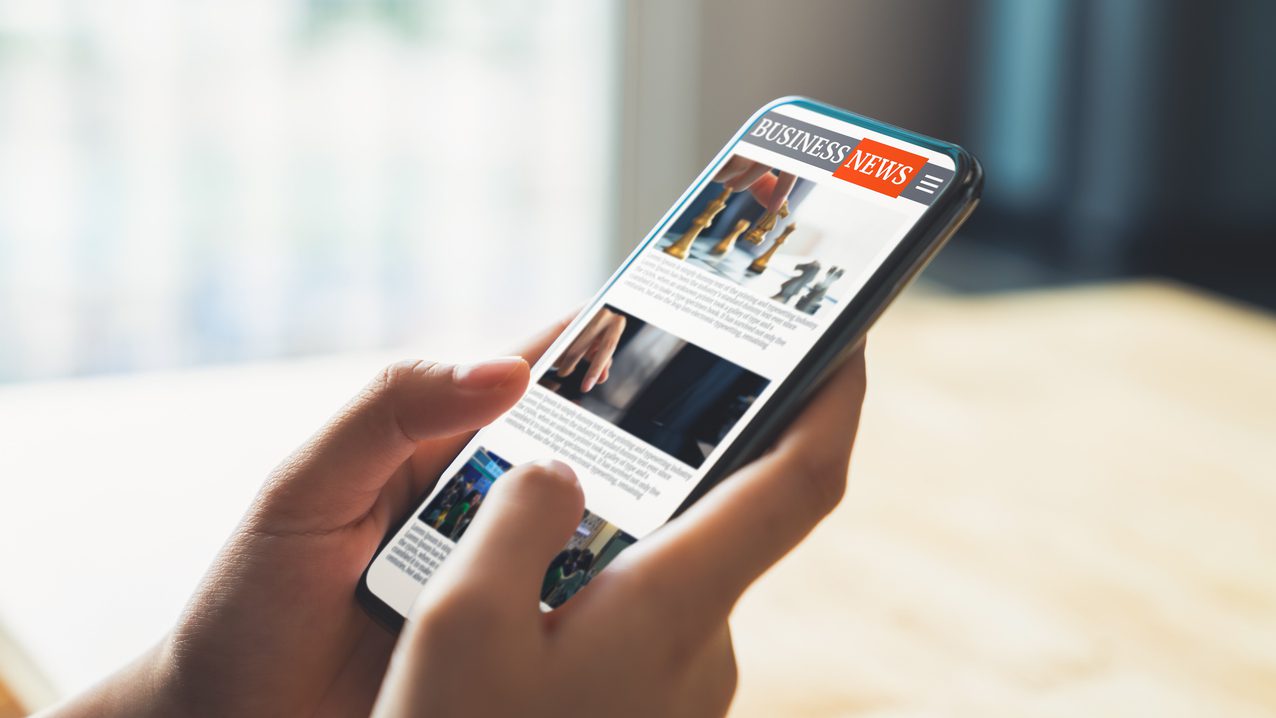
x=688, y=341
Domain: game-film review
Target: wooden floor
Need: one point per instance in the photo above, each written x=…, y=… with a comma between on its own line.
x=1062, y=504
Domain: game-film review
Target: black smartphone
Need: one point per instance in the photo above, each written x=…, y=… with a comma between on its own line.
x=706, y=342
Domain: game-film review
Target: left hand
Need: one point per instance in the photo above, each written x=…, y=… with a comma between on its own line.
x=274, y=629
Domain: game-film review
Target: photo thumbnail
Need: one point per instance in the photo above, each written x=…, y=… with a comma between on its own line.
x=453, y=508
x=798, y=254
x=594, y=544
x=671, y=394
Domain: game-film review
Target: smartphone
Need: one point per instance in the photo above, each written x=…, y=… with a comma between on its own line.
x=707, y=340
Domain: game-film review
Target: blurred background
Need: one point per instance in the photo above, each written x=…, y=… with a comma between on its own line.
x=187, y=182
x=188, y=185
x=190, y=182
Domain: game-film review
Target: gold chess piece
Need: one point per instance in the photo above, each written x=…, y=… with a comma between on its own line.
x=765, y=224
x=682, y=247
x=759, y=264
x=729, y=241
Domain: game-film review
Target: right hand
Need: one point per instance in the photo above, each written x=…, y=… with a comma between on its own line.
x=648, y=636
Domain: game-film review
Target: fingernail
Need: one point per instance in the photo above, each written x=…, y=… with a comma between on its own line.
x=557, y=469
x=586, y=385
x=486, y=374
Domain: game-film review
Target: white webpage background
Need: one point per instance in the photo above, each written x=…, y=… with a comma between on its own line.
x=860, y=211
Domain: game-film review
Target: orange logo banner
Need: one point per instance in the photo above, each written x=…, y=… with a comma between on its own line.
x=880, y=167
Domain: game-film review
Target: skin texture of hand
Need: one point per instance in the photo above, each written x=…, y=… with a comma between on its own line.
x=648, y=636
x=596, y=344
x=768, y=189
x=274, y=629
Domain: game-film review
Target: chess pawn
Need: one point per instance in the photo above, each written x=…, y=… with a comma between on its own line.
x=682, y=247
x=759, y=264
x=807, y=272
x=729, y=241
x=810, y=304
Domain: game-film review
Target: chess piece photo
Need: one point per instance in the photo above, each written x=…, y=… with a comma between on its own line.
x=759, y=265
x=682, y=247
x=765, y=224
x=810, y=304
x=729, y=241
x=806, y=273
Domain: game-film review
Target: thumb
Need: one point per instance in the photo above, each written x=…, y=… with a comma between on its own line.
x=337, y=476
x=527, y=518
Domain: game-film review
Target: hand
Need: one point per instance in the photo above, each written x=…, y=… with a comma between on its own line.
x=769, y=190
x=596, y=344
x=274, y=628
x=648, y=636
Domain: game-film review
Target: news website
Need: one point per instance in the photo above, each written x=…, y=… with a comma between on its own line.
x=688, y=342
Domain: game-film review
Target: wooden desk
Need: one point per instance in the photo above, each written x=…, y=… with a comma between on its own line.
x=1062, y=505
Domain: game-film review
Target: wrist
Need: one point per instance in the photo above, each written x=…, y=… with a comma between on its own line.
x=135, y=690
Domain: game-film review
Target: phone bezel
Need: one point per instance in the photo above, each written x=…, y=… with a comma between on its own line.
x=950, y=208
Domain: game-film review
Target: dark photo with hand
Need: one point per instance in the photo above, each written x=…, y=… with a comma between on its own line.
x=672, y=394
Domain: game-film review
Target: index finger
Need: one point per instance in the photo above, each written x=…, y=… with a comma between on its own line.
x=725, y=541
x=732, y=168
x=780, y=191
x=750, y=176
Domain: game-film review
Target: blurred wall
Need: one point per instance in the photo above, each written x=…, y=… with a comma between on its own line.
x=905, y=63
x=1125, y=138
x=1120, y=137
x=697, y=70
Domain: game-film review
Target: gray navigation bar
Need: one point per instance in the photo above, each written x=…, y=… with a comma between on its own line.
x=928, y=183
x=827, y=150
x=801, y=141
